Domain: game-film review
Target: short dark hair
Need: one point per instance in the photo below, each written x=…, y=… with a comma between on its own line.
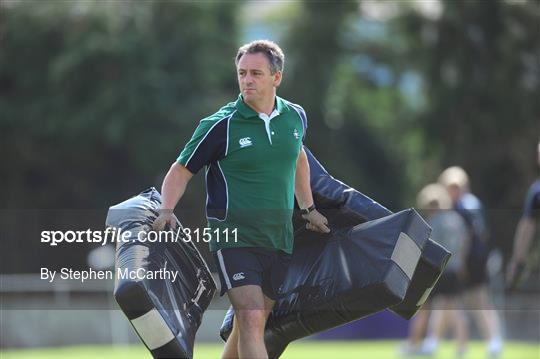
x=270, y=49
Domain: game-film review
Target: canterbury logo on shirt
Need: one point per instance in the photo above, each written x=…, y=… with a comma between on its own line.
x=296, y=134
x=245, y=142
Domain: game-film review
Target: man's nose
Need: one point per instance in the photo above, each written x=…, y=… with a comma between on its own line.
x=248, y=79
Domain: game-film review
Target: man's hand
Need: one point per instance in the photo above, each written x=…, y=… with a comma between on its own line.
x=166, y=218
x=316, y=222
x=174, y=186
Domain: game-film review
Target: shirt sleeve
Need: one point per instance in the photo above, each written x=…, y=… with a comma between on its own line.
x=531, y=208
x=471, y=209
x=303, y=117
x=208, y=144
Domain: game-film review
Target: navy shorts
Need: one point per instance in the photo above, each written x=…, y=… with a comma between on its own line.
x=252, y=266
x=476, y=263
x=449, y=285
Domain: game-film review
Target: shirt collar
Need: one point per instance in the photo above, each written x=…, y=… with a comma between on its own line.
x=248, y=112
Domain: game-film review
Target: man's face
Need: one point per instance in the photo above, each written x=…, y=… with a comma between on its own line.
x=455, y=192
x=255, y=80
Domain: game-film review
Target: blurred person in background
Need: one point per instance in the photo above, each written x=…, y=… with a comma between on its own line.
x=476, y=295
x=525, y=231
x=450, y=230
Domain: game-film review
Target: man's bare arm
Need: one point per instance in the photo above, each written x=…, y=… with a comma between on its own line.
x=302, y=189
x=523, y=238
x=522, y=241
x=173, y=188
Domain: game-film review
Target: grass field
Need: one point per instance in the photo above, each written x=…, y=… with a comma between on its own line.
x=300, y=350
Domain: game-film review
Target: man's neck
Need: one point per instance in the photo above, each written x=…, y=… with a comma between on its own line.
x=266, y=107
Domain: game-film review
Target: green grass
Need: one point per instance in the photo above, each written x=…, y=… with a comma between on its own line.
x=300, y=350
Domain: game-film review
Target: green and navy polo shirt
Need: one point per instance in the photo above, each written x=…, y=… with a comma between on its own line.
x=250, y=166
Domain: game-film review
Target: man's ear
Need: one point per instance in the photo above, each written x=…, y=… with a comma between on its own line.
x=277, y=78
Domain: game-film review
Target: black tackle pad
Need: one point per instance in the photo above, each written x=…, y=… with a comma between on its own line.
x=351, y=274
x=430, y=267
x=165, y=314
x=344, y=207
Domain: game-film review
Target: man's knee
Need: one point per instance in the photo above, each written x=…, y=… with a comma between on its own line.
x=250, y=321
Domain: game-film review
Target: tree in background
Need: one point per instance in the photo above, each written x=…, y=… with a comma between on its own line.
x=321, y=76
x=481, y=70
x=399, y=99
x=96, y=99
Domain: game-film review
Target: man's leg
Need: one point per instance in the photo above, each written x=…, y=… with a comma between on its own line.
x=231, y=346
x=436, y=326
x=461, y=329
x=480, y=307
x=486, y=318
x=256, y=271
x=418, y=327
x=251, y=309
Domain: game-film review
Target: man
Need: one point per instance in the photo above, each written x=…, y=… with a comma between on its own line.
x=456, y=181
x=525, y=230
x=450, y=230
x=255, y=165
